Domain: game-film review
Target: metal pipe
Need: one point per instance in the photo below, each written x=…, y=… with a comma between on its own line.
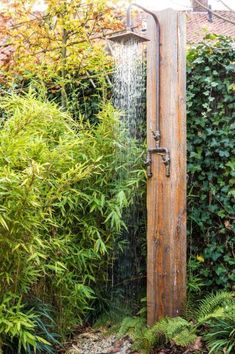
x=157, y=133
x=158, y=149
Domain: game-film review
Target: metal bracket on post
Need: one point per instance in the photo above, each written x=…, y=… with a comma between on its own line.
x=163, y=151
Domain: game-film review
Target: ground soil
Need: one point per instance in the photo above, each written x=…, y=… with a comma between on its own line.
x=91, y=341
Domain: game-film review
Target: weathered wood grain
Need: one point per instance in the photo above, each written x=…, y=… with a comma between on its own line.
x=166, y=196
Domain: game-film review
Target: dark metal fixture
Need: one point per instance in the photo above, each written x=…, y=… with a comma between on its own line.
x=124, y=37
x=210, y=18
x=127, y=36
x=165, y=154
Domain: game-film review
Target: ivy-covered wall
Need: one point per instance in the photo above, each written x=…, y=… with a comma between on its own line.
x=211, y=160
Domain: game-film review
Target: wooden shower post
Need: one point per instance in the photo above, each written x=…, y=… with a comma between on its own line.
x=166, y=196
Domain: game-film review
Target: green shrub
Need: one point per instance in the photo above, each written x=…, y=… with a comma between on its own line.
x=220, y=337
x=64, y=186
x=217, y=315
x=16, y=323
x=213, y=320
x=45, y=327
x=177, y=330
x=214, y=305
x=211, y=159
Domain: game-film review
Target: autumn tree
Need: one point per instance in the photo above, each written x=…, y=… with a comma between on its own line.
x=57, y=46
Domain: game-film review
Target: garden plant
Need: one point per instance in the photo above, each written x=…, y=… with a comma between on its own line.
x=69, y=177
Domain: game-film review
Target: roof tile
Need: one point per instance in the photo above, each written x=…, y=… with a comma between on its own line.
x=198, y=25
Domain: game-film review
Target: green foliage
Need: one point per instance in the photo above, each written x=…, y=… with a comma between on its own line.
x=64, y=187
x=211, y=159
x=195, y=283
x=176, y=329
x=217, y=313
x=136, y=328
x=84, y=94
x=15, y=323
x=214, y=305
x=113, y=314
x=213, y=320
x=215, y=316
x=45, y=327
x=134, y=325
x=221, y=335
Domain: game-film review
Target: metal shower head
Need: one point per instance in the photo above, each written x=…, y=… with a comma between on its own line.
x=127, y=36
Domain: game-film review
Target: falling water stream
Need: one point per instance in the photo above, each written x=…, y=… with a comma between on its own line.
x=129, y=98
x=129, y=85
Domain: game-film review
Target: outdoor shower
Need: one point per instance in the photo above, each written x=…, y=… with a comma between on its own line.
x=125, y=37
x=166, y=126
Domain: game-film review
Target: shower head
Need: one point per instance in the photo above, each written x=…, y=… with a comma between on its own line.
x=126, y=36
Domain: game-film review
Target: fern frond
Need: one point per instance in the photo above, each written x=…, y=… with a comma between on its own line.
x=213, y=305
x=185, y=337
x=171, y=326
x=176, y=329
x=133, y=326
